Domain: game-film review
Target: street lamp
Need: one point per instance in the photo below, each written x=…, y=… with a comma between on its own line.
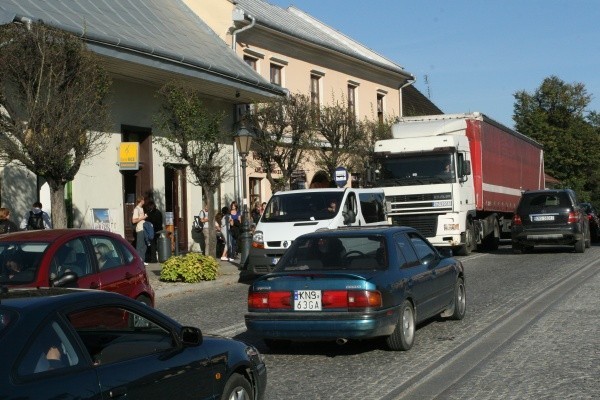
x=243, y=140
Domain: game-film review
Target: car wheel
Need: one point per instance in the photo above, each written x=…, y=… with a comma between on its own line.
x=277, y=345
x=403, y=336
x=580, y=245
x=237, y=388
x=588, y=238
x=460, y=300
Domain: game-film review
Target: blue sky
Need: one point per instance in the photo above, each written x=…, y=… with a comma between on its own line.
x=475, y=54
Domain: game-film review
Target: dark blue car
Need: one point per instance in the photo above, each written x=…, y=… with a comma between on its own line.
x=356, y=284
x=84, y=344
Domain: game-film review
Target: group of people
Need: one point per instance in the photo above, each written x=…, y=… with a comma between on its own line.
x=228, y=225
x=36, y=218
x=148, y=222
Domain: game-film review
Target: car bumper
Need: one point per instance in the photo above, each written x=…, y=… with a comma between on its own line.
x=538, y=236
x=322, y=325
x=263, y=261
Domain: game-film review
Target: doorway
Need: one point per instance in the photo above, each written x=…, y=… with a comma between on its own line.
x=175, y=203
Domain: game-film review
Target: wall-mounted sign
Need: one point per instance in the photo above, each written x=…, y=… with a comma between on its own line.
x=341, y=176
x=101, y=219
x=129, y=155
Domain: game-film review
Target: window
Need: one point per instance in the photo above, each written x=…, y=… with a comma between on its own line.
x=276, y=74
x=71, y=257
x=407, y=251
x=113, y=334
x=49, y=350
x=107, y=251
x=352, y=102
x=251, y=61
x=315, y=94
x=255, y=195
x=425, y=252
x=380, y=107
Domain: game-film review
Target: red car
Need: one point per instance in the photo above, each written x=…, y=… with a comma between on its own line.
x=90, y=259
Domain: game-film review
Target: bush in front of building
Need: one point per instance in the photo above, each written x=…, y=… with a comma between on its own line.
x=190, y=268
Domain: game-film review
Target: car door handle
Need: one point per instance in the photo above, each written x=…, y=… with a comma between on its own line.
x=117, y=392
x=128, y=275
x=94, y=285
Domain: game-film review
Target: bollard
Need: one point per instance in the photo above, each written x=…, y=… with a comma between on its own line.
x=164, y=246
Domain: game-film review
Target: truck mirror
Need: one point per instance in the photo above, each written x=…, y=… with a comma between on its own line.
x=466, y=168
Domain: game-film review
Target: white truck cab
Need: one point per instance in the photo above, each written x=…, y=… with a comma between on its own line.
x=290, y=214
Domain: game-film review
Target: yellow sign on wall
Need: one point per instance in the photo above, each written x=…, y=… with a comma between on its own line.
x=129, y=155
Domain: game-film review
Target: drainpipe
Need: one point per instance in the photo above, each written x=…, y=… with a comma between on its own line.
x=407, y=83
x=238, y=16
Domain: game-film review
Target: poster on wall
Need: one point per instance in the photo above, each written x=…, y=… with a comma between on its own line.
x=101, y=219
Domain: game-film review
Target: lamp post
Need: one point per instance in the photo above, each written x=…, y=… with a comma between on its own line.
x=243, y=140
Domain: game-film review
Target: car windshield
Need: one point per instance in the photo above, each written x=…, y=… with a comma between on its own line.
x=318, y=253
x=20, y=261
x=302, y=206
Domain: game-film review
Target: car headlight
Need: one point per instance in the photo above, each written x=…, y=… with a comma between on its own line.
x=254, y=355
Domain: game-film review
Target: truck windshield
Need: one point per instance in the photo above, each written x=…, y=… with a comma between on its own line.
x=302, y=206
x=418, y=169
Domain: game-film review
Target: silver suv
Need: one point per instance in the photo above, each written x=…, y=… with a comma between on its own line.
x=549, y=217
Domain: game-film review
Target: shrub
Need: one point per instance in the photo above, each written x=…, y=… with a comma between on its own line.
x=190, y=268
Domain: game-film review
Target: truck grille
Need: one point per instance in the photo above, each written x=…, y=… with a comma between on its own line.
x=426, y=223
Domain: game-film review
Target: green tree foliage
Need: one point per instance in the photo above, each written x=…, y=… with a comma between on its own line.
x=556, y=115
x=192, y=133
x=283, y=132
x=53, y=113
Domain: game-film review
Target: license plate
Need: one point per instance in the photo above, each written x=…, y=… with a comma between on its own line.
x=537, y=218
x=274, y=260
x=307, y=300
x=442, y=203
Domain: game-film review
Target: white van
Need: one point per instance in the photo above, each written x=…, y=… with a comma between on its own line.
x=292, y=213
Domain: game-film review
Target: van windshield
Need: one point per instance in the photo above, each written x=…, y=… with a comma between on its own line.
x=302, y=206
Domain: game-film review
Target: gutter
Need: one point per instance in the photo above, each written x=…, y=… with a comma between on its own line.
x=408, y=82
x=240, y=15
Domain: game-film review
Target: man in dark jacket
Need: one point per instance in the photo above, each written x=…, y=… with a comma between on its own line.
x=155, y=217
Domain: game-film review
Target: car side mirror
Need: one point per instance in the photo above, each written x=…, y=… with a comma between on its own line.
x=191, y=336
x=349, y=217
x=445, y=252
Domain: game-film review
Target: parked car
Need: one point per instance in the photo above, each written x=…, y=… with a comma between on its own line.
x=58, y=343
x=594, y=220
x=549, y=217
x=356, y=283
x=91, y=259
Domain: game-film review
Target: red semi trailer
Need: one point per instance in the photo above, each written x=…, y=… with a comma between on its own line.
x=457, y=178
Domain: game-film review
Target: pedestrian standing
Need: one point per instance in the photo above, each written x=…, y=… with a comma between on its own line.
x=226, y=231
x=155, y=217
x=203, y=216
x=36, y=218
x=6, y=225
x=138, y=218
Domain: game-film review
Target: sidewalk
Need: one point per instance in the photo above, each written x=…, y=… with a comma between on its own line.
x=228, y=275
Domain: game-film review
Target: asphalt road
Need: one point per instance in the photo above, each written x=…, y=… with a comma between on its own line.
x=531, y=332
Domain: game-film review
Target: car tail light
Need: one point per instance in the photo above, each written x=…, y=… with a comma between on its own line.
x=573, y=218
x=351, y=299
x=516, y=220
x=269, y=300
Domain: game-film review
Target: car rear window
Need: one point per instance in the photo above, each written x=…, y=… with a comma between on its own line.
x=546, y=200
x=318, y=253
x=19, y=261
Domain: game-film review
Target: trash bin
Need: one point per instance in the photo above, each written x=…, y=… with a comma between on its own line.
x=164, y=246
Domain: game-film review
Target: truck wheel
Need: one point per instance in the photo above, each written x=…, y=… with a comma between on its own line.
x=403, y=336
x=470, y=244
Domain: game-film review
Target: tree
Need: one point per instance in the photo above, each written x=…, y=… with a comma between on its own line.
x=194, y=134
x=283, y=133
x=342, y=137
x=556, y=116
x=373, y=130
x=53, y=114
